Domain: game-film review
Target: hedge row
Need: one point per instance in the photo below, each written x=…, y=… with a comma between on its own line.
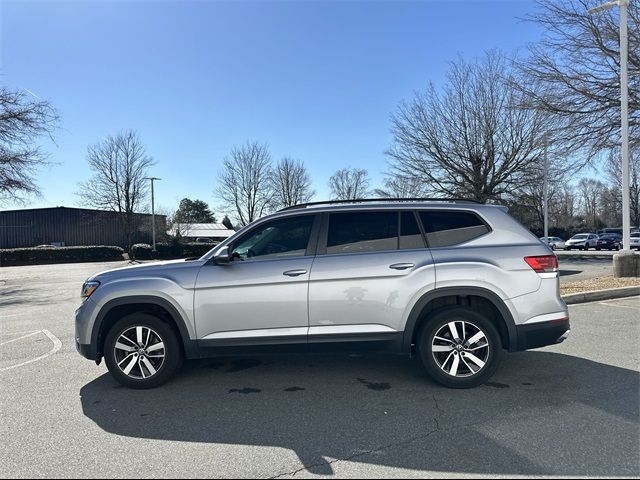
x=37, y=256
x=143, y=251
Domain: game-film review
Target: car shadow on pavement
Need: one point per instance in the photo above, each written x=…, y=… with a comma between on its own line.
x=542, y=414
x=567, y=273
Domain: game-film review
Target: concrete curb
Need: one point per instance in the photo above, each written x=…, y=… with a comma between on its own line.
x=582, y=255
x=597, y=295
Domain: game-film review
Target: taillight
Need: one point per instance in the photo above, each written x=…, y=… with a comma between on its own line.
x=543, y=263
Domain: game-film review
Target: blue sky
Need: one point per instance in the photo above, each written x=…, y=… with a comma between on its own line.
x=313, y=80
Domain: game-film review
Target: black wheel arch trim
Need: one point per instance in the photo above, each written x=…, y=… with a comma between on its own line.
x=428, y=297
x=190, y=346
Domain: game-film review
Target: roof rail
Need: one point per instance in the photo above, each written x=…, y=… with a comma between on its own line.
x=386, y=199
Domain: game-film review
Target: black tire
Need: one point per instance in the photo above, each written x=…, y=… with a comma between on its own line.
x=439, y=321
x=173, y=354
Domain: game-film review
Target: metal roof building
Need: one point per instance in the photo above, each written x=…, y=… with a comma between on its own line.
x=70, y=227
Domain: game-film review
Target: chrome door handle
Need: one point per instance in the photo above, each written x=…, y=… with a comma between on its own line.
x=294, y=273
x=402, y=266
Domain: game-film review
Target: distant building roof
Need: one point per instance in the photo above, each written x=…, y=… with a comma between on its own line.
x=202, y=230
x=70, y=209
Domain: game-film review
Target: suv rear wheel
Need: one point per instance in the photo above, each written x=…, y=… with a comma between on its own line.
x=141, y=351
x=460, y=348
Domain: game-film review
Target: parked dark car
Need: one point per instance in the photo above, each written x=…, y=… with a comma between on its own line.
x=609, y=241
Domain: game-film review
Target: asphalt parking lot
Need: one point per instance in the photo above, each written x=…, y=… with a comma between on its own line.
x=568, y=410
x=582, y=266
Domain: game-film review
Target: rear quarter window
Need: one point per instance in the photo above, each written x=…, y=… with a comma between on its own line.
x=447, y=228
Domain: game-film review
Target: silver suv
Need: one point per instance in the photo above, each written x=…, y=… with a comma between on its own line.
x=455, y=282
x=582, y=241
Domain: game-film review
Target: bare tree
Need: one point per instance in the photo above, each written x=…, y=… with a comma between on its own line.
x=349, y=184
x=119, y=164
x=613, y=168
x=401, y=187
x=591, y=192
x=476, y=138
x=577, y=66
x=291, y=183
x=568, y=202
x=23, y=119
x=567, y=205
x=245, y=182
x=610, y=207
x=527, y=204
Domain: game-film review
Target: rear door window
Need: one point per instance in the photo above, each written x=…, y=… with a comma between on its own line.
x=447, y=228
x=355, y=232
x=410, y=234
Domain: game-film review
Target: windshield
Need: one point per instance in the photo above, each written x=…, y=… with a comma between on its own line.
x=581, y=236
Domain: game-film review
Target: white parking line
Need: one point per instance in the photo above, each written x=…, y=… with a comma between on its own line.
x=21, y=332
x=621, y=306
x=20, y=338
x=19, y=314
x=57, y=345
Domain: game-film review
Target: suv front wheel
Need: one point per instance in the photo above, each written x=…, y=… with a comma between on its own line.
x=460, y=348
x=141, y=351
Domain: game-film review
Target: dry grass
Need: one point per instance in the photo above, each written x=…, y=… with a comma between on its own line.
x=598, y=283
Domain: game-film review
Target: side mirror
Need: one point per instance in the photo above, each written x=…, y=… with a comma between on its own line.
x=222, y=257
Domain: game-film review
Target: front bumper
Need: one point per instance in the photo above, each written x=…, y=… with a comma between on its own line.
x=83, y=330
x=87, y=351
x=542, y=334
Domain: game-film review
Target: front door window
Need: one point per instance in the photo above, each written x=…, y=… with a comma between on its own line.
x=287, y=237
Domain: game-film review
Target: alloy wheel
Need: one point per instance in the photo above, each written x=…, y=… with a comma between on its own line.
x=460, y=349
x=139, y=352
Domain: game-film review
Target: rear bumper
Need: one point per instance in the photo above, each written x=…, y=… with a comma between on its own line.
x=542, y=334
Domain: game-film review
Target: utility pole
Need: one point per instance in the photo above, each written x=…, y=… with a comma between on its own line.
x=624, y=110
x=624, y=264
x=153, y=212
x=624, y=103
x=545, y=188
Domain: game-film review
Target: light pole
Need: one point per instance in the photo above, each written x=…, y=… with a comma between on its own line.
x=545, y=187
x=153, y=213
x=624, y=108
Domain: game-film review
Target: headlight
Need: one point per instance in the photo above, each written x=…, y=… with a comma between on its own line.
x=88, y=288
